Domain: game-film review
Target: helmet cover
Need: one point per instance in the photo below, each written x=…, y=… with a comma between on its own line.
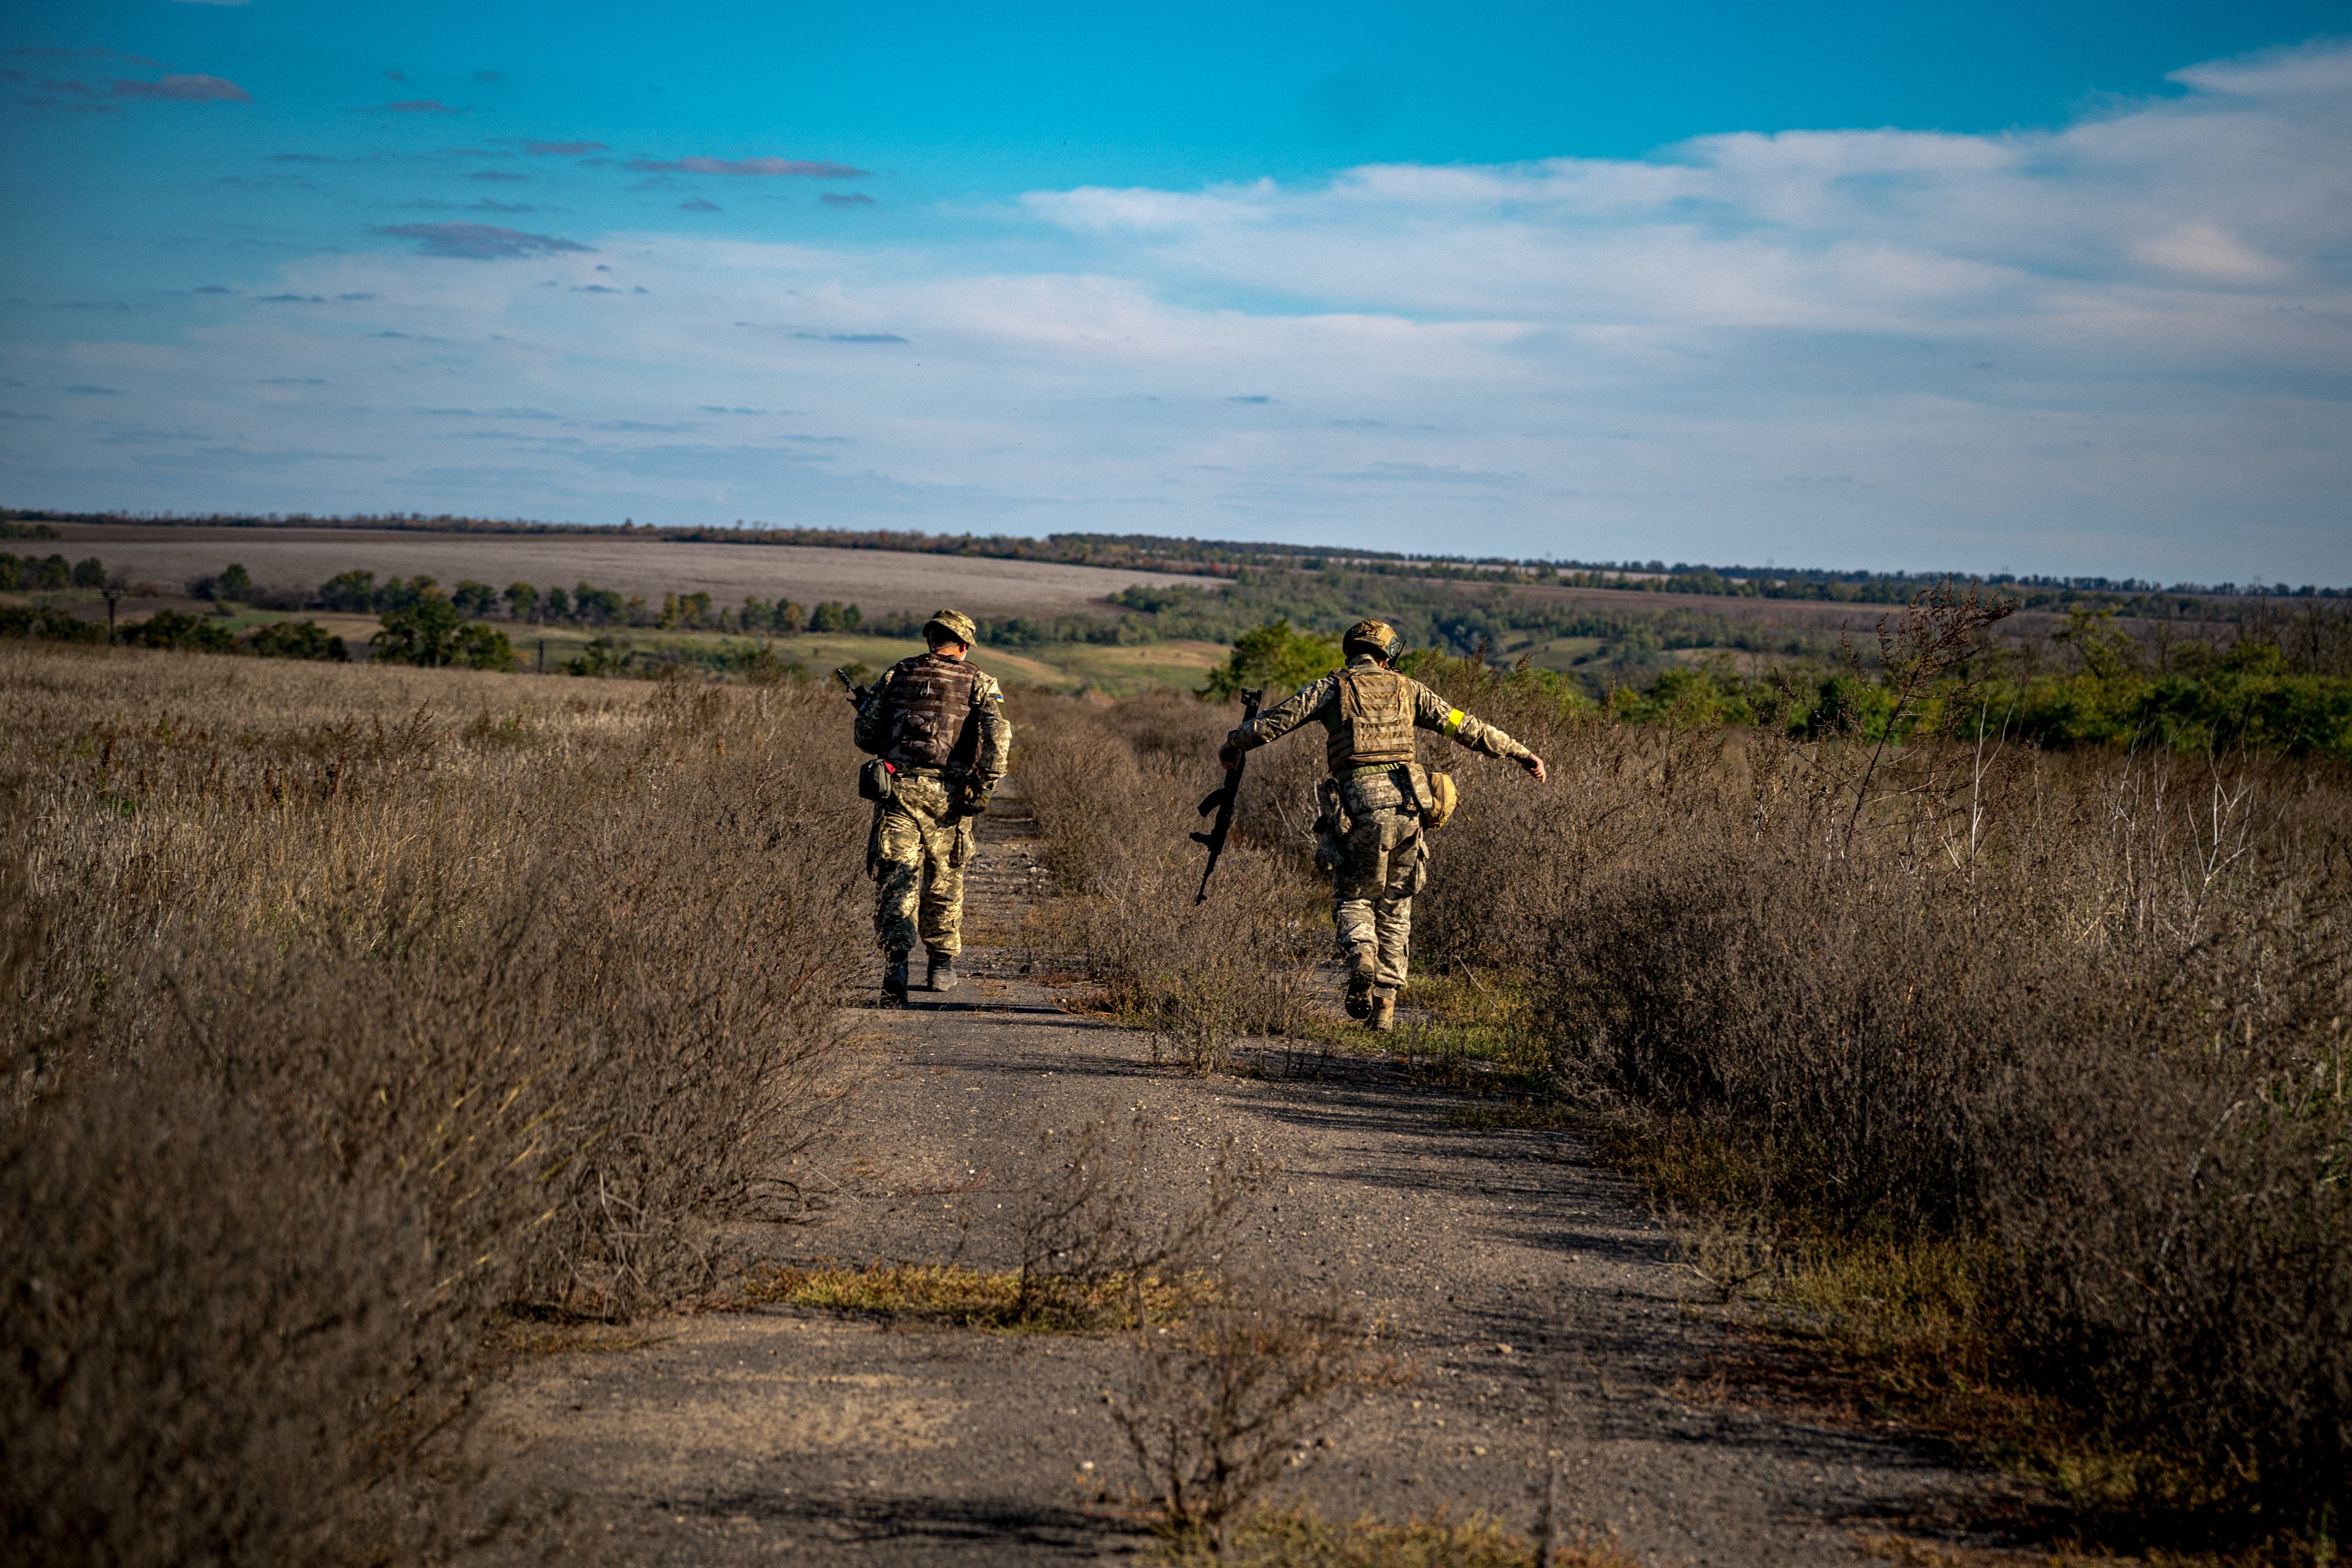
x=955, y=624
x=1371, y=637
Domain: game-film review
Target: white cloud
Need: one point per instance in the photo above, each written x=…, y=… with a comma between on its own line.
x=2123, y=346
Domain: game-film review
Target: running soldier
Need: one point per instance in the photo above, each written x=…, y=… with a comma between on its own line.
x=1378, y=802
x=938, y=726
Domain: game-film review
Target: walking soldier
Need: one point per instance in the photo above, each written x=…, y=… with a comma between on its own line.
x=936, y=728
x=1379, y=802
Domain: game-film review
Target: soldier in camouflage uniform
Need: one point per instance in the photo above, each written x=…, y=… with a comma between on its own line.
x=1370, y=835
x=938, y=724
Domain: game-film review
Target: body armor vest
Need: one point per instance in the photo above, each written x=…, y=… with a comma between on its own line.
x=1375, y=719
x=929, y=717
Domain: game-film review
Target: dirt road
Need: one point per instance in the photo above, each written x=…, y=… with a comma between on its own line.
x=1542, y=1310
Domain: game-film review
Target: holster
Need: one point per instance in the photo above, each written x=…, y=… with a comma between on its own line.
x=1332, y=825
x=877, y=780
x=1417, y=787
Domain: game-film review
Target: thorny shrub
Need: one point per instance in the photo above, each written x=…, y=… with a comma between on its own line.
x=343, y=1014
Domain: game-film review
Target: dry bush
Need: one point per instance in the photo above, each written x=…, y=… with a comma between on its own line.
x=2088, y=1009
x=1215, y=1406
x=1116, y=791
x=1101, y=1213
x=348, y=1007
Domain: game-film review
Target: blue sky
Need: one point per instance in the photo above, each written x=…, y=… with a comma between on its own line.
x=2057, y=288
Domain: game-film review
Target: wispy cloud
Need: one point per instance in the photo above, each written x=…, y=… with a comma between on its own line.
x=184, y=90
x=413, y=105
x=697, y=205
x=2066, y=350
x=498, y=175
x=480, y=242
x=789, y=168
x=564, y=149
x=847, y=199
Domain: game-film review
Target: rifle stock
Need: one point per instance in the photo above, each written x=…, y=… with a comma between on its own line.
x=1222, y=800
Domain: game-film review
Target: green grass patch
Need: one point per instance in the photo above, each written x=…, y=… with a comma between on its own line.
x=1000, y=1301
x=1471, y=1031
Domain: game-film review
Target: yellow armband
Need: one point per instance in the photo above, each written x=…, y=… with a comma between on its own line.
x=1453, y=725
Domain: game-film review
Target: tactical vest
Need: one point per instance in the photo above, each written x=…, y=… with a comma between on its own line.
x=1375, y=719
x=929, y=715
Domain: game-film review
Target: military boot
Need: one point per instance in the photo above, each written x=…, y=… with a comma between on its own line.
x=1359, y=987
x=941, y=975
x=894, y=982
x=1383, y=1016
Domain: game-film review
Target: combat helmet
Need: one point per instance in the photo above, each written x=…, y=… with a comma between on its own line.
x=1371, y=637
x=955, y=624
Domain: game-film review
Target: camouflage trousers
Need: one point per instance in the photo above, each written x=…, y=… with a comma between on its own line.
x=915, y=856
x=1376, y=868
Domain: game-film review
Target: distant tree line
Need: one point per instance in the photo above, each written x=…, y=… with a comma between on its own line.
x=39, y=573
x=1225, y=558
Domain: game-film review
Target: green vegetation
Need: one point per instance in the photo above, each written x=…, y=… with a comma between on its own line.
x=1274, y=656
x=295, y=640
x=171, y=629
x=2260, y=677
x=430, y=631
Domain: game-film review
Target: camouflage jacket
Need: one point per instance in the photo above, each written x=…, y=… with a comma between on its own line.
x=987, y=740
x=1320, y=700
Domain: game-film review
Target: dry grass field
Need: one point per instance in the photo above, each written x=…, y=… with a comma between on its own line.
x=354, y=1012
x=877, y=580
x=349, y=1011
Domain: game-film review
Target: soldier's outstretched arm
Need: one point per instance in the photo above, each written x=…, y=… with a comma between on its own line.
x=1431, y=711
x=1279, y=720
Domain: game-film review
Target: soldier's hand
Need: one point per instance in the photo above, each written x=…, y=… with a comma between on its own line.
x=1535, y=765
x=1229, y=757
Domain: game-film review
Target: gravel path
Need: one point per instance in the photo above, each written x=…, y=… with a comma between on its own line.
x=1540, y=1307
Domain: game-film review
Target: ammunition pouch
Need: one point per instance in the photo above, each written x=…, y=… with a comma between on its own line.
x=877, y=780
x=1445, y=798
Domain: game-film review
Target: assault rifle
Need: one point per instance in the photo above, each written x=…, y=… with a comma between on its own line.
x=1221, y=800
x=858, y=694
